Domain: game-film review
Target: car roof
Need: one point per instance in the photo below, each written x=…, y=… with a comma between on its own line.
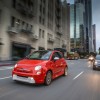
x=49, y=50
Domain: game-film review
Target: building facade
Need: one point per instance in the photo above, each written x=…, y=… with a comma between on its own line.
x=72, y=21
x=88, y=24
x=94, y=37
x=77, y=27
x=27, y=25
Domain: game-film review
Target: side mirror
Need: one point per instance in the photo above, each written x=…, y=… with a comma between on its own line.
x=56, y=58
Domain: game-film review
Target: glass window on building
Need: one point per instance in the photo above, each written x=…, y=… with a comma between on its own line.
x=14, y=3
x=18, y=23
x=43, y=21
x=40, y=8
x=39, y=33
x=44, y=10
x=23, y=25
x=27, y=26
x=43, y=34
x=41, y=48
x=0, y=15
x=39, y=19
x=12, y=21
x=31, y=27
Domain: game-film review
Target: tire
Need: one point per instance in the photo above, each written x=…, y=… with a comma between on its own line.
x=94, y=68
x=65, y=71
x=48, y=78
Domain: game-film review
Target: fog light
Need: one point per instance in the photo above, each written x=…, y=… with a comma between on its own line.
x=31, y=78
x=38, y=73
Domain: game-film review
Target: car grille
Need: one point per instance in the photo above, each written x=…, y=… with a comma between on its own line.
x=24, y=70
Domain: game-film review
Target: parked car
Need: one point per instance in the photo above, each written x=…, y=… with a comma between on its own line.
x=72, y=56
x=40, y=67
x=96, y=64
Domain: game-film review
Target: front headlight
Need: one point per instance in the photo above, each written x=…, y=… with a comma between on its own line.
x=96, y=62
x=15, y=65
x=37, y=68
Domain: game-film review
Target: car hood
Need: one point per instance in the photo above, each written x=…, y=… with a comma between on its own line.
x=31, y=63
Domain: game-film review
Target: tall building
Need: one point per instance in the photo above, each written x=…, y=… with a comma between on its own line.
x=26, y=25
x=88, y=24
x=77, y=27
x=72, y=21
x=94, y=37
x=68, y=27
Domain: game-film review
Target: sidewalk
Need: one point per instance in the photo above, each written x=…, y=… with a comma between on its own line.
x=7, y=63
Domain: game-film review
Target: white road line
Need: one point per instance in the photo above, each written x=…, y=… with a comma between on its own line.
x=78, y=75
x=6, y=68
x=5, y=77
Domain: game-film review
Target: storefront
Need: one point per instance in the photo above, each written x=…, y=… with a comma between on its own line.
x=20, y=50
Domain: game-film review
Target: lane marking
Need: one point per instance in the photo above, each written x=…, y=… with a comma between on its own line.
x=6, y=68
x=5, y=77
x=8, y=93
x=78, y=75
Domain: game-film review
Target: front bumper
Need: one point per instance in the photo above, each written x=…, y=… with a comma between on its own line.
x=28, y=77
x=23, y=79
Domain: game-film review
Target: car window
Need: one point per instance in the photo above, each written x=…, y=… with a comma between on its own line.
x=98, y=57
x=57, y=54
x=40, y=55
x=60, y=55
x=46, y=55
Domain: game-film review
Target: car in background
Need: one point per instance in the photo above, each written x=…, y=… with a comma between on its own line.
x=40, y=67
x=96, y=64
x=72, y=56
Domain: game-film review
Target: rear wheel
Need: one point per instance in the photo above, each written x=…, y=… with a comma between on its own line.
x=65, y=71
x=48, y=78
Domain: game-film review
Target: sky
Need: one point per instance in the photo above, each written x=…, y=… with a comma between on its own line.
x=96, y=18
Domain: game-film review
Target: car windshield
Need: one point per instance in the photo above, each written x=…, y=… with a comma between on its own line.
x=98, y=57
x=40, y=55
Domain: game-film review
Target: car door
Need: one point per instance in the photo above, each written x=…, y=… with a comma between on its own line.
x=56, y=64
x=62, y=63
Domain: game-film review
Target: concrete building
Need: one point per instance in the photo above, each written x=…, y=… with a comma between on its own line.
x=77, y=27
x=68, y=27
x=88, y=24
x=94, y=37
x=26, y=25
x=72, y=25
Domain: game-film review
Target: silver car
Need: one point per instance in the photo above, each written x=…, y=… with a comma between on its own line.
x=96, y=64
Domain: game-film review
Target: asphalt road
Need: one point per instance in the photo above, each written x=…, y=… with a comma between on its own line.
x=82, y=83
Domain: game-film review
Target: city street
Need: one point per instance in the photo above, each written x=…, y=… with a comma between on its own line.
x=82, y=83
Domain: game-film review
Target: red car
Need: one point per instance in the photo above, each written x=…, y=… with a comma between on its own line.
x=40, y=67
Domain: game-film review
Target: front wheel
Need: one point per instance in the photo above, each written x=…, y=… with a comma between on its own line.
x=65, y=71
x=48, y=78
x=94, y=68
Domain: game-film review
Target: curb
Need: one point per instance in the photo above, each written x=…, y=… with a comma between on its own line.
x=2, y=65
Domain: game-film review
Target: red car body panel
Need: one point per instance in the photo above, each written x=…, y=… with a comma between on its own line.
x=25, y=68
